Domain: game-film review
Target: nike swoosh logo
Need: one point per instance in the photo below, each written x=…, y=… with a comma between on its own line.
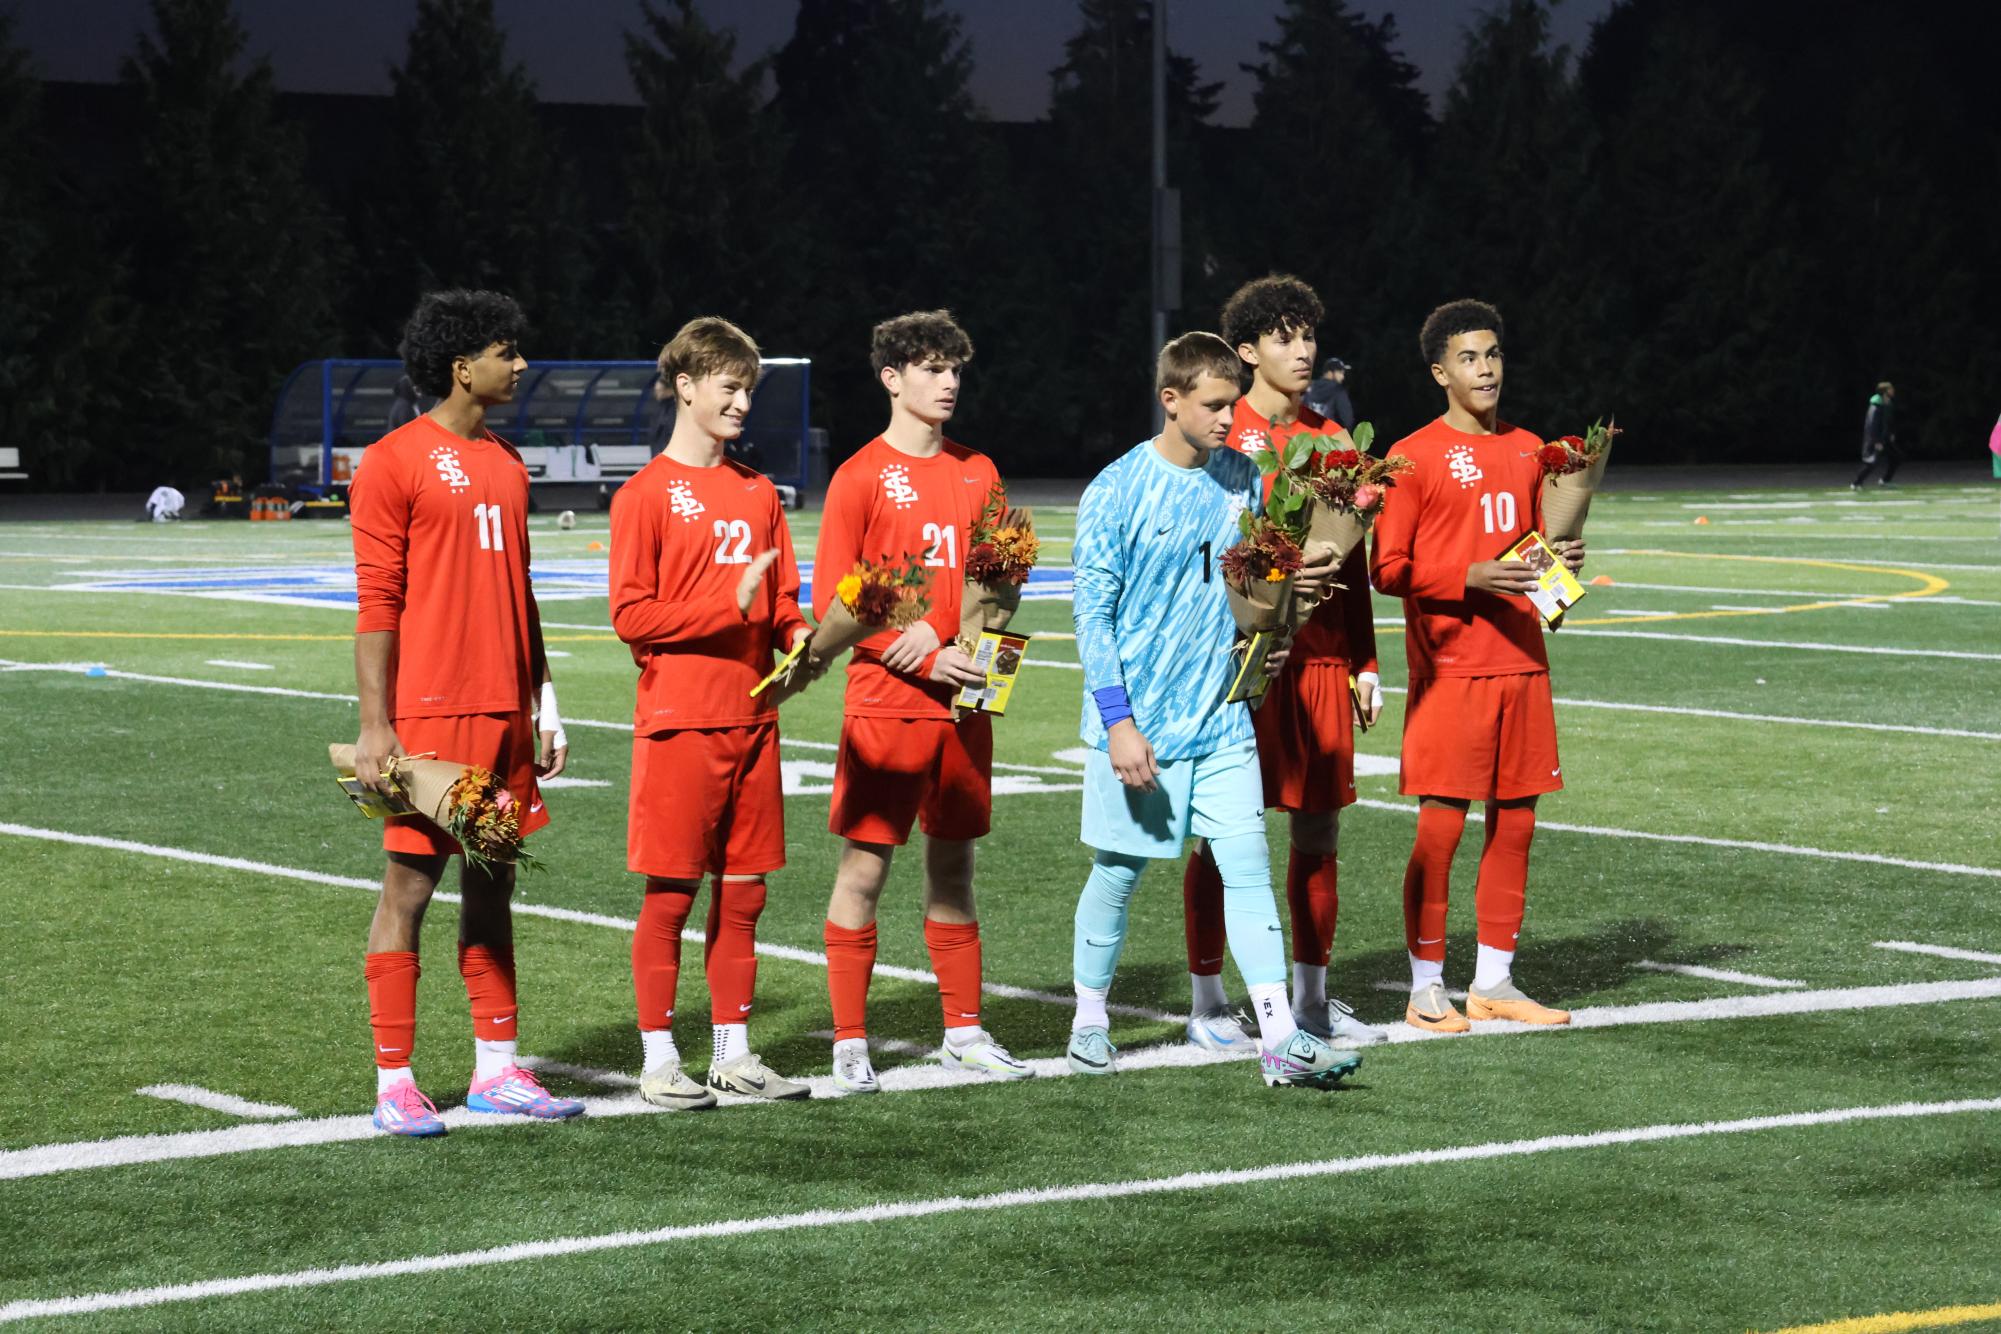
x=757, y=1084
x=535, y=807
x=390, y=1051
x=1217, y=959
x=1555, y=772
x=1159, y=531
x=1085, y=1060
x=743, y=1009
x=503, y=1019
x=1433, y=941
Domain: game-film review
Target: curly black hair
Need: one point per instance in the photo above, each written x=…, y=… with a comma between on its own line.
x=1275, y=303
x=918, y=336
x=1450, y=320
x=458, y=323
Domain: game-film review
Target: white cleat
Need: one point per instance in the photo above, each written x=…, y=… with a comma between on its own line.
x=1222, y=1030
x=983, y=1056
x=853, y=1073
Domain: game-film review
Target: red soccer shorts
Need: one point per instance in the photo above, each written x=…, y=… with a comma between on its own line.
x=891, y=771
x=1480, y=738
x=502, y=743
x=1306, y=739
x=706, y=801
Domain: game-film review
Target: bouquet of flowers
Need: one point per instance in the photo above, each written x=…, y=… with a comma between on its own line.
x=999, y=555
x=872, y=597
x=1572, y=470
x=464, y=800
x=1326, y=492
x=1257, y=574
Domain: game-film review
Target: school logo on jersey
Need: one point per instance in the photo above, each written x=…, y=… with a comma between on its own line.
x=449, y=468
x=1459, y=462
x=1252, y=441
x=683, y=502
x=896, y=485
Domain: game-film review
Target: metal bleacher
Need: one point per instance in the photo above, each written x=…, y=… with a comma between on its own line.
x=573, y=421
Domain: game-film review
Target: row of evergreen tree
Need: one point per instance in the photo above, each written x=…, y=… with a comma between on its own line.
x=1723, y=222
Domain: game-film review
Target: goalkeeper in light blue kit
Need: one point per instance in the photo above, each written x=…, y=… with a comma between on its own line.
x=1169, y=758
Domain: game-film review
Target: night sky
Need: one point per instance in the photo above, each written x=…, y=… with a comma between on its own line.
x=575, y=52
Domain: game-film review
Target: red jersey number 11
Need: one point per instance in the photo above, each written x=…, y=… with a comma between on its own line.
x=486, y=518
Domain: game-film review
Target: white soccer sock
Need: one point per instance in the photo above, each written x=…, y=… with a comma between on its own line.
x=1090, y=1008
x=1274, y=1013
x=490, y=1058
x=657, y=1045
x=389, y=1079
x=729, y=1042
x=1490, y=973
x=1423, y=972
x=1309, y=987
x=1206, y=992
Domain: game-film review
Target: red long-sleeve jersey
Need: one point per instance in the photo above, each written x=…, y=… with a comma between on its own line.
x=440, y=527
x=1342, y=628
x=1467, y=498
x=680, y=539
x=883, y=505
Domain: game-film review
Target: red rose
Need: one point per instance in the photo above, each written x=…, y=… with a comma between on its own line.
x=1573, y=442
x=1554, y=457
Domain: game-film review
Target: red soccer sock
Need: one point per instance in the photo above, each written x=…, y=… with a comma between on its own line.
x=850, y=963
x=1202, y=914
x=1311, y=892
x=1501, y=892
x=656, y=955
x=730, y=956
x=955, y=957
x=489, y=977
x=392, y=1005
x=1427, y=880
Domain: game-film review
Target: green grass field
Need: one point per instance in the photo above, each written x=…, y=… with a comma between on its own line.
x=1782, y=738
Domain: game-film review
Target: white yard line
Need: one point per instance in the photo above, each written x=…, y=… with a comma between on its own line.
x=1747, y=845
x=1718, y=974
x=1804, y=646
x=1941, y=951
x=896, y=1046
x=196, y=1096
x=887, y=1211
x=561, y=781
x=769, y=949
x=1743, y=592
x=245, y=666
x=586, y=1074
x=124, y=1151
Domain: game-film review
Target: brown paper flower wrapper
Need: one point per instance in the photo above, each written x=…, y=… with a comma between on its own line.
x=1566, y=499
x=1327, y=530
x=837, y=632
x=1262, y=605
x=985, y=607
x=419, y=786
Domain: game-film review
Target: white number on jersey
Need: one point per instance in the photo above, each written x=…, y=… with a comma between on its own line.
x=1497, y=510
x=486, y=518
x=728, y=531
x=944, y=552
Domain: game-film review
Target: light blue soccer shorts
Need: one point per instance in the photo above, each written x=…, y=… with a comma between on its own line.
x=1207, y=796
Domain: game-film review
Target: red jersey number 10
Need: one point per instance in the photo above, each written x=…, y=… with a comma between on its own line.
x=1497, y=511
x=486, y=518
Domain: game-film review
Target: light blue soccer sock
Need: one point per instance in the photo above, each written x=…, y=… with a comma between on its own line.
x=1101, y=918
x=1250, y=914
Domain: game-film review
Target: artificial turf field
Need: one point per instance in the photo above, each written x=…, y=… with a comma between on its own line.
x=1782, y=740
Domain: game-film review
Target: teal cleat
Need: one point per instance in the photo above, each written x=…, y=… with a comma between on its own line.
x=1091, y=1052
x=1305, y=1061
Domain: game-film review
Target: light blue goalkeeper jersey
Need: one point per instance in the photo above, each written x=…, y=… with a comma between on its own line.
x=1149, y=605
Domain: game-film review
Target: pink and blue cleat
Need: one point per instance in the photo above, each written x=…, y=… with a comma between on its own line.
x=516, y=1092
x=402, y=1110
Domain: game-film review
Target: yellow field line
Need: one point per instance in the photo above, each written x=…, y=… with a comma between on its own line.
x=328, y=639
x=1930, y=585
x=1941, y=1318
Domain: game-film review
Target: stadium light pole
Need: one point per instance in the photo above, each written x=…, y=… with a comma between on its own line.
x=1166, y=206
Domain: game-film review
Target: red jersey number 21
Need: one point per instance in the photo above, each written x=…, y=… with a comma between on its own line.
x=486, y=518
x=1497, y=511
x=944, y=550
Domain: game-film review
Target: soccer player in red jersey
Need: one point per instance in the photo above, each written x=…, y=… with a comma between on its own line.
x=703, y=588
x=1479, y=724
x=447, y=648
x=1306, y=724
x=903, y=757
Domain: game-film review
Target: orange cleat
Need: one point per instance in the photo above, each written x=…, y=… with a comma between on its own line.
x=1508, y=1002
x=1430, y=1012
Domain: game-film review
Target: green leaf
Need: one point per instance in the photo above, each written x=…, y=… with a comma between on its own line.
x=1268, y=462
x=1297, y=450
x=1244, y=522
x=1364, y=435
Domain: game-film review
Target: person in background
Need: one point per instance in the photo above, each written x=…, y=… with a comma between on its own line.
x=1328, y=395
x=1879, y=438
